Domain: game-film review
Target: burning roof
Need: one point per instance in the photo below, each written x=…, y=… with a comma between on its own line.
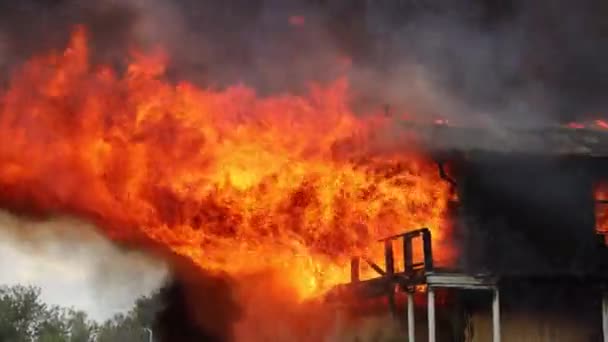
x=571, y=139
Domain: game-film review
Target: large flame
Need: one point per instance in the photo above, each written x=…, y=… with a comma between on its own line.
x=233, y=181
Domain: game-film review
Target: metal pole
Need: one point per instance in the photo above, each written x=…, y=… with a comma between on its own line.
x=496, y=316
x=150, y=334
x=431, y=313
x=605, y=315
x=411, y=326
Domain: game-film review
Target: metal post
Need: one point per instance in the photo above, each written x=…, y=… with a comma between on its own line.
x=150, y=334
x=496, y=316
x=428, y=250
x=605, y=315
x=411, y=326
x=431, y=314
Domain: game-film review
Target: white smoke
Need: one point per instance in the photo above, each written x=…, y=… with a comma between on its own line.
x=74, y=265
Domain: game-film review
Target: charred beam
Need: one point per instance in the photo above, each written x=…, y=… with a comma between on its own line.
x=354, y=269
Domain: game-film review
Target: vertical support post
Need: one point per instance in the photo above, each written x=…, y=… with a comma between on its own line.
x=408, y=255
x=390, y=274
x=354, y=269
x=389, y=258
x=496, y=316
x=431, y=313
x=411, y=322
x=605, y=315
x=427, y=250
x=150, y=334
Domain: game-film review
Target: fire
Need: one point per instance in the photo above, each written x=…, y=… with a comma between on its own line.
x=235, y=182
x=596, y=124
x=297, y=20
x=601, y=210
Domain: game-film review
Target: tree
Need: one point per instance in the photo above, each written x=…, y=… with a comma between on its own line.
x=21, y=312
x=80, y=328
x=121, y=328
x=25, y=318
x=146, y=309
x=132, y=326
x=52, y=326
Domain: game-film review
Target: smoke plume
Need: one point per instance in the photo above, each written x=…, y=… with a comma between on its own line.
x=198, y=306
x=515, y=62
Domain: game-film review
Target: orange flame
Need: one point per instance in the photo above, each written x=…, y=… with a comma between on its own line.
x=235, y=182
x=601, y=208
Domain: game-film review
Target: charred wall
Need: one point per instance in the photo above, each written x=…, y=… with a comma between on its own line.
x=534, y=310
x=523, y=214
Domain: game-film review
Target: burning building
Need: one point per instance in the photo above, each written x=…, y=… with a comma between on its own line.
x=268, y=206
x=529, y=222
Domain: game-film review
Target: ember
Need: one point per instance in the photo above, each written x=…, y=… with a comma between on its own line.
x=596, y=124
x=601, y=210
x=297, y=20
x=232, y=181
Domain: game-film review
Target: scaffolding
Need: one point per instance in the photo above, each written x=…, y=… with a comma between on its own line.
x=424, y=275
x=414, y=275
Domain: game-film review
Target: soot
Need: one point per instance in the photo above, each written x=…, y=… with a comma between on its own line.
x=529, y=215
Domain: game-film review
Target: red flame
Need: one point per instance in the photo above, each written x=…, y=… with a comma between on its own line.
x=595, y=124
x=601, y=210
x=297, y=20
x=601, y=123
x=575, y=125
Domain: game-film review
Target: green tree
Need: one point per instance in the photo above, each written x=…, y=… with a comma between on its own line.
x=21, y=312
x=121, y=328
x=25, y=318
x=146, y=308
x=79, y=326
x=52, y=326
x=132, y=326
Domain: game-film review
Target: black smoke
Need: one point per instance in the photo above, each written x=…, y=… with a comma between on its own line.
x=510, y=60
x=197, y=306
